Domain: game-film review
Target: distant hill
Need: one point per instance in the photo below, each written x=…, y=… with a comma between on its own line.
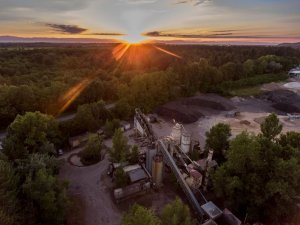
x=293, y=45
x=14, y=39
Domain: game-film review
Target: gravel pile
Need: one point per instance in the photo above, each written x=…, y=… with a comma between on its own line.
x=284, y=100
x=189, y=110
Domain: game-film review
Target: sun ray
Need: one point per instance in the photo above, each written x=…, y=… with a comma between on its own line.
x=120, y=50
x=168, y=52
x=68, y=98
x=133, y=52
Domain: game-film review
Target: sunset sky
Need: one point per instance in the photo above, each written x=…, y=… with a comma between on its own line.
x=265, y=21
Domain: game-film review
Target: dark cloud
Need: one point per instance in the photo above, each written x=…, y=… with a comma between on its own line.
x=106, y=34
x=153, y=34
x=225, y=31
x=66, y=29
x=213, y=35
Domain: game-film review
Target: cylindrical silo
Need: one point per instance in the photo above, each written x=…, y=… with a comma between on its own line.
x=157, y=170
x=185, y=142
x=176, y=133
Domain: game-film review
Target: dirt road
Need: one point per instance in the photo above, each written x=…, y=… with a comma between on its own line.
x=92, y=186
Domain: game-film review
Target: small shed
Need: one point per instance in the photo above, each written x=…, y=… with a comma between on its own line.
x=212, y=210
x=295, y=73
x=137, y=175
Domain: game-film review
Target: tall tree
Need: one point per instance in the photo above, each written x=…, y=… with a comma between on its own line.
x=31, y=133
x=9, y=203
x=47, y=195
x=92, y=152
x=261, y=176
x=120, y=150
x=176, y=213
x=138, y=215
x=217, y=139
x=271, y=127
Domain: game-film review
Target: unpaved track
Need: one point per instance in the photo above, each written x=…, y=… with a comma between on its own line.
x=92, y=186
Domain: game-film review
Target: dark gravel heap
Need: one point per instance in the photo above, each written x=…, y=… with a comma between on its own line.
x=189, y=110
x=284, y=100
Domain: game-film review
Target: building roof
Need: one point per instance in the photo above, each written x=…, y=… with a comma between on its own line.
x=211, y=210
x=295, y=70
x=137, y=175
x=129, y=168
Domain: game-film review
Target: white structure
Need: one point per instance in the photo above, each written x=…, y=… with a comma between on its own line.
x=185, y=142
x=295, y=73
x=176, y=133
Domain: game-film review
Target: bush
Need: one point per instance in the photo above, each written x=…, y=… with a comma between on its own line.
x=92, y=153
x=111, y=126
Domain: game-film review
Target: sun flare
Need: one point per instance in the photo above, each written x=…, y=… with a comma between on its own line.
x=134, y=39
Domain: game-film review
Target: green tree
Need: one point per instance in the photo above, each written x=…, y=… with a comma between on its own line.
x=121, y=178
x=217, y=139
x=138, y=215
x=134, y=155
x=9, y=203
x=176, y=213
x=111, y=126
x=271, y=127
x=122, y=109
x=261, y=177
x=91, y=116
x=249, y=67
x=120, y=149
x=31, y=133
x=48, y=197
x=92, y=152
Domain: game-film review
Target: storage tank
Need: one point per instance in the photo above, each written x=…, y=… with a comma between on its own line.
x=157, y=169
x=210, y=156
x=190, y=182
x=176, y=133
x=185, y=142
x=150, y=153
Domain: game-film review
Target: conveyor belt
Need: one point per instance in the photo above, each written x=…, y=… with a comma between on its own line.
x=186, y=189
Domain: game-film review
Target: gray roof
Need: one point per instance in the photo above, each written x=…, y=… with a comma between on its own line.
x=137, y=175
x=211, y=210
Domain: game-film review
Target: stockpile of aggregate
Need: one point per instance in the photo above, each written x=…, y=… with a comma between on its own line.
x=284, y=100
x=189, y=110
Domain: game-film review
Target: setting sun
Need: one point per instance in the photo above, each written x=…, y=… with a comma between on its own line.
x=134, y=39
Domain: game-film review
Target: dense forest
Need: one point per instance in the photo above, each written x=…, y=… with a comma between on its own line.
x=34, y=78
x=88, y=77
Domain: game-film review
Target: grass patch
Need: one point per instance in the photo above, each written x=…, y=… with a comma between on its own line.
x=247, y=86
x=249, y=91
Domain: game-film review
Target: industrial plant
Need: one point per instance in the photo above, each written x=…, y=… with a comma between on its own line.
x=171, y=153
